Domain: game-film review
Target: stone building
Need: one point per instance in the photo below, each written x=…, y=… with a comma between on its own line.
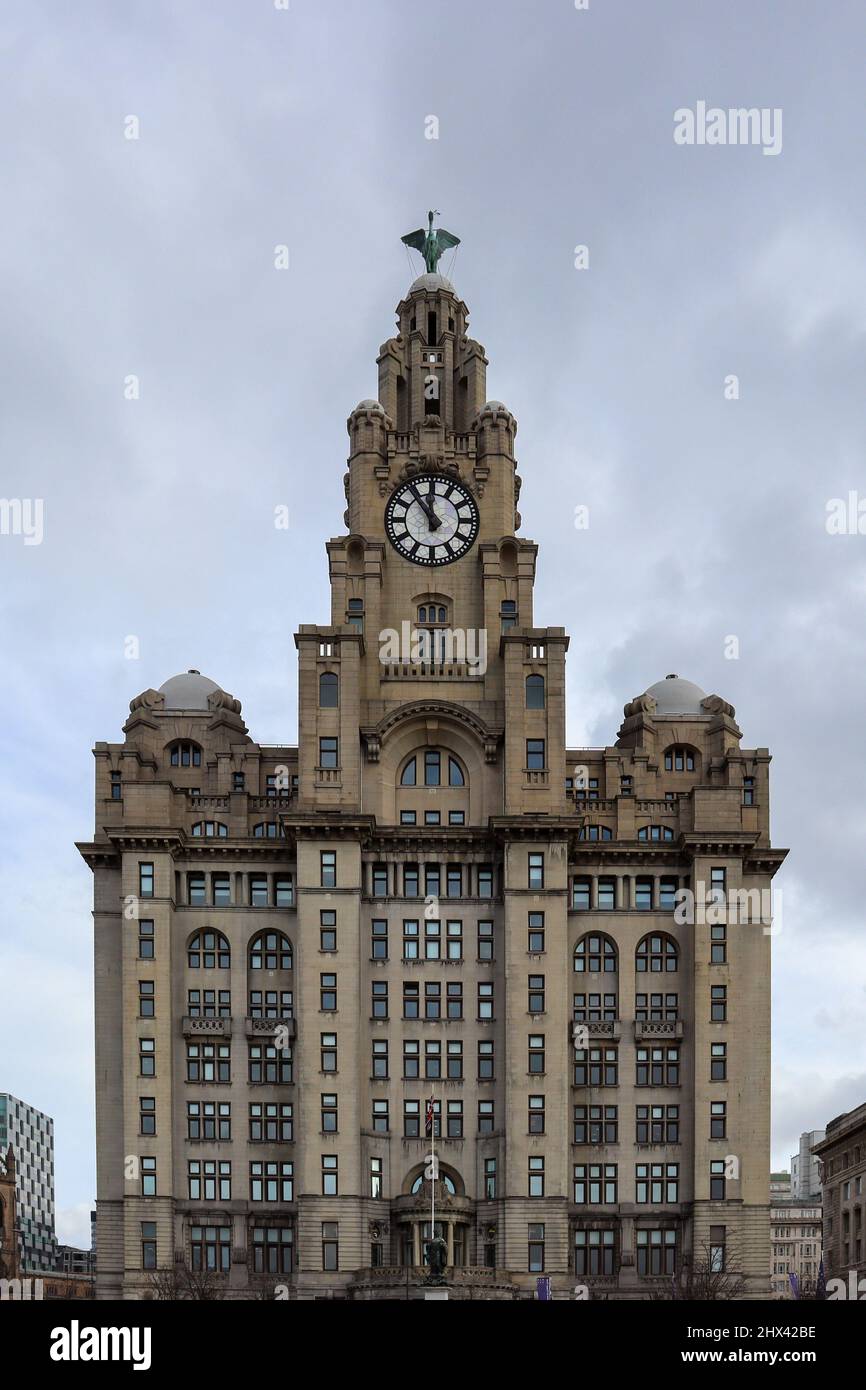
x=795, y=1244
x=842, y=1154
x=431, y=898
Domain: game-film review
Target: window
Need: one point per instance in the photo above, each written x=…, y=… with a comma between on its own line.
x=380, y=1058
x=431, y=880
x=409, y=774
x=209, y=1180
x=272, y=1249
x=454, y=940
x=454, y=1119
x=380, y=1117
x=535, y=1254
x=581, y=894
x=411, y=1119
x=328, y=868
x=643, y=894
x=185, y=755
x=679, y=760
x=271, y=1182
x=456, y=818
x=432, y=768
x=606, y=894
x=535, y=944
x=267, y=830
x=411, y=999
x=329, y=1114
x=379, y=875
x=330, y=1245
x=748, y=791
x=656, y=1183
x=595, y=955
x=455, y=1060
x=595, y=1184
x=536, y=994
x=486, y=1118
x=329, y=1051
x=411, y=939
x=718, y=1003
x=718, y=1119
x=658, y=1066
x=536, y=870
x=408, y=818
x=536, y=1054
x=259, y=893
x=454, y=999
x=330, y=1175
x=535, y=755
x=410, y=881
x=271, y=1122
x=379, y=939
x=655, y=832
x=535, y=692
x=148, y=1177
x=432, y=939
x=507, y=614
x=596, y=1124
x=594, y=1008
x=596, y=1066
x=268, y=1065
x=145, y=939
x=376, y=1166
x=432, y=999
x=454, y=881
x=329, y=689
x=146, y=1057
x=327, y=993
x=485, y=941
x=411, y=1060
x=209, y=950
x=208, y=1062
x=270, y=951
x=238, y=781
x=148, y=1245
x=490, y=1178
x=657, y=1124
x=328, y=752
x=535, y=1122
x=626, y=785
x=211, y=1248
x=536, y=1177
x=222, y=892
x=593, y=1252
x=485, y=1000
x=717, y=1249
x=209, y=1003
x=656, y=1252
x=595, y=832
x=718, y=1061
x=485, y=881
x=656, y=1008
x=145, y=880
x=208, y=829
x=146, y=999
x=668, y=894
x=379, y=999
x=718, y=945
x=147, y=1115
x=717, y=1180
x=656, y=955
x=485, y=1060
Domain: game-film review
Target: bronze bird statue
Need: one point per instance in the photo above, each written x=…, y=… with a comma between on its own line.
x=431, y=244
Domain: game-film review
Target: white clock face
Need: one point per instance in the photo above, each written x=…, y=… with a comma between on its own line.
x=431, y=520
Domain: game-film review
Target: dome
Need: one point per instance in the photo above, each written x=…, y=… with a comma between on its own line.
x=375, y=406
x=493, y=406
x=431, y=281
x=188, y=691
x=674, y=695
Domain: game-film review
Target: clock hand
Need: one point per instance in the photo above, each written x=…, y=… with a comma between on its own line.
x=425, y=506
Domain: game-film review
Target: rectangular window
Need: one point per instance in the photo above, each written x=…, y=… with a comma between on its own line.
x=376, y=1167
x=411, y=887
x=329, y=1114
x=486, y=1119
x=432, y=999
x=145, y=940
x=432, y=939
x=272, y=1182
x=656, y=1252
x=490, y=1179
x=717, y=1249
x=596, y=1124
x=327, y=931
x=718, y=1003
x=656, y=1184
x=668, y=894
x=146, y=1057
x=328, y=752
x=595, y=1184
x=657, y=1124
x=328, y=1049
x=485, y=1060
x=581, y=894
x=535, y=1186
x=271, y=1122
x=431, y=880
x=284, y=890
x=455, y=1060
x=379, y=999
x=411, y=939
x=259, y=894
x=485, y=999
x=718, y=1119
x=535, y=1254
x=146, y=999
x=456, y=817
x=268, y=1067
x=535, y=755
x=658, y=1066
x=454, y=881
x=643, y=894
x=536, y=870
x=454, y=939
x=433, y=1060
x=411, y=1059
x=718, y=944
x=719, y=1062
x=330, y=1245
x=330, y=1175
x=145, y=880
x=606, y=894
x=408, y=818
x=535, y=991
x=536, y=1054
x=380, y=1058
x=197, y=889
x=454, y=999
x=327, y=993
x=717, y=1180
x=536, y=1115
x=485, y=881
x=221, y=890
x=328, y=868
x=411, y=1119
x=596, y=1066
x=454, y=1119
x=411, y=999
x=536, y=933
x=748, y=791
x=485, y=941
x=379, y=939
x=148, y=1245
x=380, y=880
x=147, y=1115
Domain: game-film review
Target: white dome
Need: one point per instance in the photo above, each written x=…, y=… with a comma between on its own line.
x=674, y=695
x=431, y=281
x=188, y=691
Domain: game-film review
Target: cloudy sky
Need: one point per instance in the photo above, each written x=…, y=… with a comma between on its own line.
x=153, y=258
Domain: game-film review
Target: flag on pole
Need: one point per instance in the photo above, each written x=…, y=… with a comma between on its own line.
x=428, y=1120
x=795, y=1284
x=821, y=1286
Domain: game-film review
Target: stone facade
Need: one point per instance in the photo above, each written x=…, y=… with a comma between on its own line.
x=425, y=898
x=795, y=1244
x=842, y=1154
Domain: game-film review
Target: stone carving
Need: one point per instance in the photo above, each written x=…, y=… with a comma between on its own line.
x=643, y=704
x=220, y=699
x=714, y=704
x=148, y=699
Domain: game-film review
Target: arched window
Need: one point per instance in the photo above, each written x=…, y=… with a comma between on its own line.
x=267, y=830
x=329, y=690
x=208, y=950
x=185, y=755
x=209, y=827
x=656, y=955
x=432, y=613
x=595, y=832
x=679, y=758
x=270, y=950
x=535, y=692
x=447, y=1183
x=595, y=954
x=433, y=764
x=655, y=832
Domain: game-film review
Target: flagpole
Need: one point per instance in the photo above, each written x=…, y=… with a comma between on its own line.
x=433, y=1166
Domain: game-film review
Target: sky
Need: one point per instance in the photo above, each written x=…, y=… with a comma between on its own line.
x=695, y=381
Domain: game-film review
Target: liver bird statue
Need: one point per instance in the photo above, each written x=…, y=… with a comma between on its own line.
x=431, y=244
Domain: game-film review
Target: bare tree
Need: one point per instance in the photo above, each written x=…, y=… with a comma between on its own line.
x=178, y=1283
x=704, y=1282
